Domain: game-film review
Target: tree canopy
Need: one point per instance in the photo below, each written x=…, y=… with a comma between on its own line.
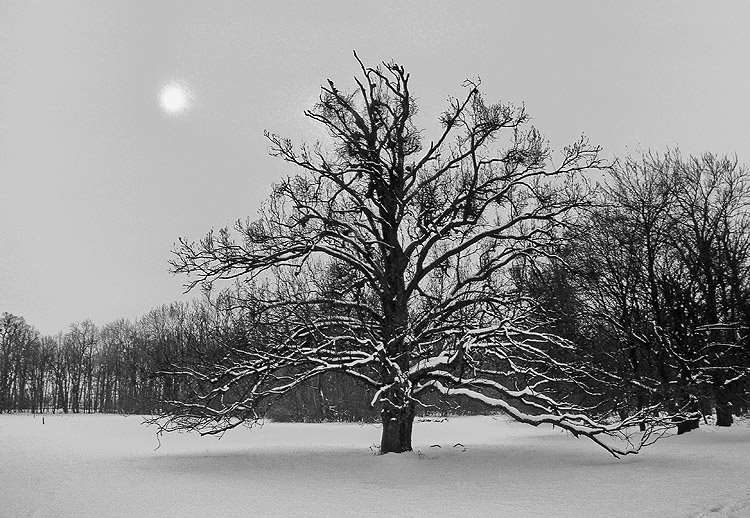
x=393, y=259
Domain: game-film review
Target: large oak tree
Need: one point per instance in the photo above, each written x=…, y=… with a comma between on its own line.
x=389, y=258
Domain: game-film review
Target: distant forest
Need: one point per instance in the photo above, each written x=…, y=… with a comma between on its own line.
x=653, y=279
x=115, y=368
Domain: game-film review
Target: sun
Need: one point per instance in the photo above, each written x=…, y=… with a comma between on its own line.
x=174, y=98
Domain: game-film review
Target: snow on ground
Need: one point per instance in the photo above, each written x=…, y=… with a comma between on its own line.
x=108, y=465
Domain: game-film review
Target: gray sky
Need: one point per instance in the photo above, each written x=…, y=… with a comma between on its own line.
x=97, y=182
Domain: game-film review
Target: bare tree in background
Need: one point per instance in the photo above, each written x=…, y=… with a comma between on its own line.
x=662, y=266
x=19, y=347
x=710, y=243
x=422, y=238
x=78, y=349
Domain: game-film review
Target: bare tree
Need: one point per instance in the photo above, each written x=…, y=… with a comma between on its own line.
x=78, y=346
x=662, y=264
x=617, y=257
x=712, y=199
x=424, y=237
x=19, y=343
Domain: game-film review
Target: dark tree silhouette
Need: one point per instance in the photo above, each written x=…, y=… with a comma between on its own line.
x=421, y=237
x=661, y=266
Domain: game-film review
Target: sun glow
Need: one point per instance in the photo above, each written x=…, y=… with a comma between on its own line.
x=174, y=98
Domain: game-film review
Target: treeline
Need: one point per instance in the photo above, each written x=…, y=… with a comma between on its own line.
x=94, y=369
x=115, y=368
x=653, y=282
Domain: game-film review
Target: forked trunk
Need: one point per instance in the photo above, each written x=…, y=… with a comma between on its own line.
x=397, y=426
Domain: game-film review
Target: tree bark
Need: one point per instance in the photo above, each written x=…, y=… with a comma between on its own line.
x=397, y=428
x=723, y=406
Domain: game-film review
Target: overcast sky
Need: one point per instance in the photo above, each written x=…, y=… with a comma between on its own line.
x=98, y=179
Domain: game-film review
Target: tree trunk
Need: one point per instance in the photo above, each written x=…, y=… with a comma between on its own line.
x=688, y=424
x=723, y=406
x=397, y=426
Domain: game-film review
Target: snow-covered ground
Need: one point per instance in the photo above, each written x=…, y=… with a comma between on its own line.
x=106, y=465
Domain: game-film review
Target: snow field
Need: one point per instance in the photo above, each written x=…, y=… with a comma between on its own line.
x=109, y=465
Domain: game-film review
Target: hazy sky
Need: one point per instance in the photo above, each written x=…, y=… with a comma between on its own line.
x=97, y=181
